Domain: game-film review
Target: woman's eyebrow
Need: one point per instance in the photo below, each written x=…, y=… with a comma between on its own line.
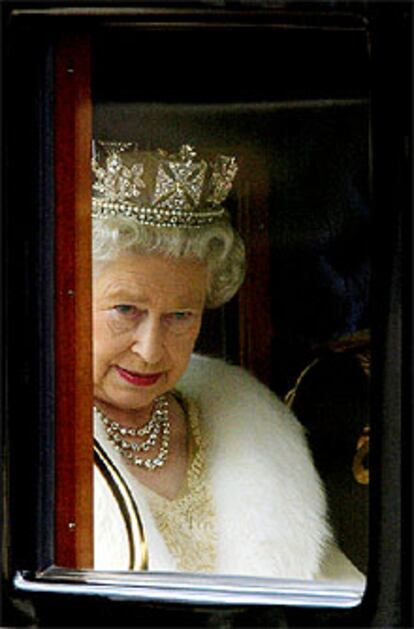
x=181, y=301
x=125, y=294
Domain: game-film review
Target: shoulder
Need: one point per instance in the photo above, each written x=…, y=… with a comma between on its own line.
x=241, y=416
x=227, y=390
x=206, y=376
x=258, y=456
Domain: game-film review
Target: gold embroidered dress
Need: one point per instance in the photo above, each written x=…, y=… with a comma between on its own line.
x=187, y=523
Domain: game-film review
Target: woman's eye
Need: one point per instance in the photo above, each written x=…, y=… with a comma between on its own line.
x=126, y=310
x=179, y=318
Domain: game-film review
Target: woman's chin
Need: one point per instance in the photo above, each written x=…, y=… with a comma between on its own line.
x=128, y=399
x=134, y=402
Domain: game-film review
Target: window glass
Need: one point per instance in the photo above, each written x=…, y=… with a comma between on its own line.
x=234, y=489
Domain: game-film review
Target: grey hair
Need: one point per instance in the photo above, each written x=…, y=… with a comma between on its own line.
x=217, y=245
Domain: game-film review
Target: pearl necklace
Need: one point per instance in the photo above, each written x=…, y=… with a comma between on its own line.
x=157, y=426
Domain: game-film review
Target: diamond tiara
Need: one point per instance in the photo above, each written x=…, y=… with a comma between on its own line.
x=159, y=188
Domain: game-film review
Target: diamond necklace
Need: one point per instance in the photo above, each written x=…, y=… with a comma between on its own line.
x=158, y=426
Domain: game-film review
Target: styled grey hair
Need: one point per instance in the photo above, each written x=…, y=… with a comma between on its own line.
x=217, y=245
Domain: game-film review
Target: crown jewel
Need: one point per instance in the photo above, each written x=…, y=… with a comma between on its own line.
x=159, y=188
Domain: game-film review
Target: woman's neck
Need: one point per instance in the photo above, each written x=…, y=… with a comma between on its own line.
x=126, y=417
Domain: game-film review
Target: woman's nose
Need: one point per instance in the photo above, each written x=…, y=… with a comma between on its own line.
x=148, y=341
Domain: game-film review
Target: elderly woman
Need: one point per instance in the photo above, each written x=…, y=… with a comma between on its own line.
x=199, y=467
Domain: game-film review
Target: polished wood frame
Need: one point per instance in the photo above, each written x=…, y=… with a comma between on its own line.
x=73, y=327
x=255, y=323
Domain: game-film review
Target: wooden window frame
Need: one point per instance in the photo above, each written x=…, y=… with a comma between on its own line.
x=73, y=327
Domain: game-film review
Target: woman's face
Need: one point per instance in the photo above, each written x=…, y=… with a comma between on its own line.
x=147, y=314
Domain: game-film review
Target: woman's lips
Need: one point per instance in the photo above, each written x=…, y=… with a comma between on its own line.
x=141, y=380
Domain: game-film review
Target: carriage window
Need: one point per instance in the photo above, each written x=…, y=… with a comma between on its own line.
x=291, y=153
x=211, y=310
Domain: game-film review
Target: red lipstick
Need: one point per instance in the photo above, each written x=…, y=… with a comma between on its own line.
x=140, y=380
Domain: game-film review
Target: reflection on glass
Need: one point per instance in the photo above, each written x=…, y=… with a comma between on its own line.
x=200, y=467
